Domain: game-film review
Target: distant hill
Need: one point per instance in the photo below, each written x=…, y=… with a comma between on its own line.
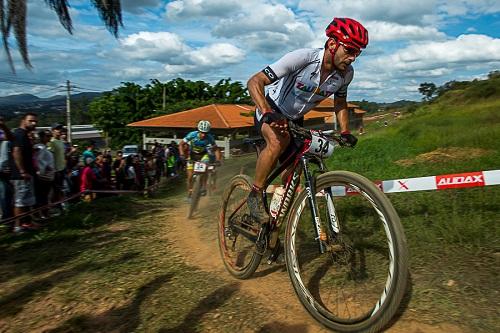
x=375, y=107
x=13, y=105
x=18, y=99
x=51, y=109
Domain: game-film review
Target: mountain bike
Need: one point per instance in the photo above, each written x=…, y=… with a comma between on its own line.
x=345, y=248
x=201, y=170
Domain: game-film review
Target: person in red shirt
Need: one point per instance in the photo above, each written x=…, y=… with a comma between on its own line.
x=88, y=178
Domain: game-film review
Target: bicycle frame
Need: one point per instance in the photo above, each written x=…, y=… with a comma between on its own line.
x=300, y=162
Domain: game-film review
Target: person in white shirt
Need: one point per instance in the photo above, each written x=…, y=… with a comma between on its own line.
x=45, y=171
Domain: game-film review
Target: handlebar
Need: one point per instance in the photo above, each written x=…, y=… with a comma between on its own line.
x=304, y=133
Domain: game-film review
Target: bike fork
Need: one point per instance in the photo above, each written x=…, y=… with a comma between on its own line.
x=311, y=191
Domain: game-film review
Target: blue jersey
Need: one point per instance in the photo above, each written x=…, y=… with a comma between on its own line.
x=197, y=144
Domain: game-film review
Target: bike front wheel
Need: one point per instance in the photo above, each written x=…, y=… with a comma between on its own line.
x=358, y=283
x=237, y=230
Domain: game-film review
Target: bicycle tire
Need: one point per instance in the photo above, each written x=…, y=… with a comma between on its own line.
x=337, y=269
x=211, y=179
x=243, y=261
x=195, y=196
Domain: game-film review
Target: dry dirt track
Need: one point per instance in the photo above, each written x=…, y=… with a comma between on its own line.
x=270, y=284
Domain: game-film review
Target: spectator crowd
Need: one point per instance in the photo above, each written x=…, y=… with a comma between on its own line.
x=38, y=168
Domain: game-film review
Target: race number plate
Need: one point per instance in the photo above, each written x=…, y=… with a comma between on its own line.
x=200, y=167
x=320, y=145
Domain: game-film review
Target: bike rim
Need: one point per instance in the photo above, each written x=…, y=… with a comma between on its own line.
x=351, y=298
x=237, y=250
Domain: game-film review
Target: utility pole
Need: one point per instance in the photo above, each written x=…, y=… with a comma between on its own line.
x=164, y=97
x=68, y=110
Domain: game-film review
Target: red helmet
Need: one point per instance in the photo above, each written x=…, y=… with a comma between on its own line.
x=349, y=32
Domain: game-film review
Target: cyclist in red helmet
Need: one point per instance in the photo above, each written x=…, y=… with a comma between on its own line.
x=297, y=83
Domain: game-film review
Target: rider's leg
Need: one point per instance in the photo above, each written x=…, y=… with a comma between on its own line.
x=205, y=159
x=189, y=173
x=276, y=143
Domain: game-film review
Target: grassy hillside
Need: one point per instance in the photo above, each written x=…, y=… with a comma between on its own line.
x=453, y=234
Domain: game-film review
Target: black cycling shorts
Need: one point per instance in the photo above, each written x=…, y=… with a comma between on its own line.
x=292, y=147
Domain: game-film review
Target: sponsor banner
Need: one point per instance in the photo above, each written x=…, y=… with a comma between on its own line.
x=492, y=177
x=459, y=180
x=409, y=184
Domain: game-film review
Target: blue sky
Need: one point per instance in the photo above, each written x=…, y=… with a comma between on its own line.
x=411, y=42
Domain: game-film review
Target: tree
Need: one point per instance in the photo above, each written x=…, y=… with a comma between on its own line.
x=494, y=75
x=13, y=16
x=131, y=102
x=428, y=89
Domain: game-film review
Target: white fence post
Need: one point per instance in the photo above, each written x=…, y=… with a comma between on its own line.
x=227, y=148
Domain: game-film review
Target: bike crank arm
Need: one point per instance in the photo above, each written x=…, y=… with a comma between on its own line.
x=244, y=232
x=311, y=190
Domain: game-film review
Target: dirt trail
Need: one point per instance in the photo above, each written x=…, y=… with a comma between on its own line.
x=270, y=284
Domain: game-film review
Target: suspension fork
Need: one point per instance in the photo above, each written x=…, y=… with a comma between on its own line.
x=333, y=224
x=311, y=195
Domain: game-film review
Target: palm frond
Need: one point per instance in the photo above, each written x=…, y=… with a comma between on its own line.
x=13, y=15
x=110, y=12
x=15, y=19
x=61, y=9
x=5, y=34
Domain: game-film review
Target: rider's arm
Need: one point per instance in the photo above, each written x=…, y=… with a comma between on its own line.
x=183, y=148
x=340, y=101
x=256, y=90
x=341, y=112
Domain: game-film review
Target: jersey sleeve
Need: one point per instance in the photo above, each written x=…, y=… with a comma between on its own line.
x=211, y=140
x=189, y=137
x=289, y=63
x=342, y=92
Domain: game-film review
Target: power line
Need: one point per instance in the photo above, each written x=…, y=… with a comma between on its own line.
x=23, y=82
x=85, y=88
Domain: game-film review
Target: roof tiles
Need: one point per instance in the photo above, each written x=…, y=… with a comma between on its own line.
x=220, y=116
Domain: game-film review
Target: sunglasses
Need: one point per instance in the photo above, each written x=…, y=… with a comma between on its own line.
x=352, y=51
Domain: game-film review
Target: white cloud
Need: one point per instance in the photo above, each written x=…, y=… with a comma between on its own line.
x=452, y=53
x=263, y=17
x=216, y=54
x=466, y=7
x=159, y=46
x=388, y=31
x=176, y=56
x=267, y=28
x=367, y=85
x=407, y=12
x=194, y=9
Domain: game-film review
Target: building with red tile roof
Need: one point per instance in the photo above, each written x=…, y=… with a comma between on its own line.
x=224, y=118
x=355, y=113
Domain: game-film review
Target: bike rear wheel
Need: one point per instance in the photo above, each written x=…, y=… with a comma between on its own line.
x=195, y=195
x=358, y=283
x=237, y=231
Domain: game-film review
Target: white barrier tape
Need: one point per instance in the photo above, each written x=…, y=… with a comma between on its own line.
x=430, y=183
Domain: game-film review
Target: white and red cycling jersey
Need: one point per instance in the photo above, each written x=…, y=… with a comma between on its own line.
x=295, y=77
